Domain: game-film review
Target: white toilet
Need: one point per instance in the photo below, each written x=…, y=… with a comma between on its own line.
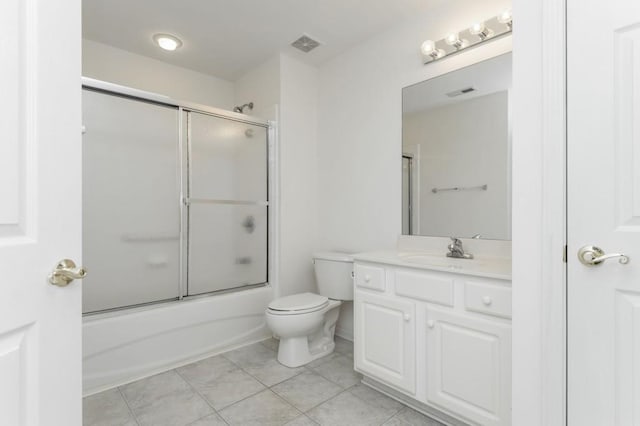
x=306, y=322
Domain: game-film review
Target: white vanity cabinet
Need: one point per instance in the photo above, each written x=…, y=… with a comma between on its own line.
x=442, y=339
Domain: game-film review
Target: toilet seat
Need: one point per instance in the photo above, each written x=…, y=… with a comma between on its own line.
x=297, y=304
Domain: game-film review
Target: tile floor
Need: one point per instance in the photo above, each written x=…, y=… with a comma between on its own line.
x=248, y=386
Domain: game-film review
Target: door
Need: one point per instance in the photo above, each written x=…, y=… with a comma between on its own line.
x=386, y=349
x=130, y=213
x=604, y=211
x=40, y=187
x=469, y=366
x=227, y=204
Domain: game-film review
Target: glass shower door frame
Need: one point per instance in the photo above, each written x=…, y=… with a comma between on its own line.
x=272, y=174
x=187, y=201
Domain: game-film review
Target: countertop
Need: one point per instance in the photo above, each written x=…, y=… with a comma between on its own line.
x=480, y=266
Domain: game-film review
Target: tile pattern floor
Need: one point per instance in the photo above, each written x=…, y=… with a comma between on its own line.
x=248, y=386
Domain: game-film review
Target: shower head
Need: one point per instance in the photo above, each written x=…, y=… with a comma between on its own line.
x=241, y=108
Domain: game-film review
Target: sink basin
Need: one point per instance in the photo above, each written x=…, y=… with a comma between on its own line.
x=435, y=260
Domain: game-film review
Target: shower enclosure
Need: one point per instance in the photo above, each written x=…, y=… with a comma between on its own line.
x=175, y=208
x=175, y=200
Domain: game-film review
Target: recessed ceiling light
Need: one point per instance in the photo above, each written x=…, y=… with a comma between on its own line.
x=167, y=41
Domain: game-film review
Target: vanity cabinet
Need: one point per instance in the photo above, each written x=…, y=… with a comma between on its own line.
x=442, y=339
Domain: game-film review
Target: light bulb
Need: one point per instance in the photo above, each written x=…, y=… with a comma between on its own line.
x=428, y=47
x=167, y=41
x=480, y=29
x=452, y=39
x=477, y=28
x=505, y=17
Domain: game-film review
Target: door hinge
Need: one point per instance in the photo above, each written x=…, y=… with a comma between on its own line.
x=564, y=254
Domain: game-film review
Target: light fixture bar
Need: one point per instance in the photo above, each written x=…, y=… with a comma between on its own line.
x=478, y=33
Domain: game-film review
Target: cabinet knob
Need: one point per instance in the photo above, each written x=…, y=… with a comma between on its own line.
x=487, y=300
x=367, y=278
x=431, y=323
x=407, y=317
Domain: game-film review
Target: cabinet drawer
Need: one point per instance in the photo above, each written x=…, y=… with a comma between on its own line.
x=425, y=286
x=487, y=298
x=372, y=277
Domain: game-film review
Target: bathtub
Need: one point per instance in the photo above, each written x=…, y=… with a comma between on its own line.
x=124, y=346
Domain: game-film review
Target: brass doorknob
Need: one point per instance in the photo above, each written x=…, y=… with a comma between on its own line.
x=65, y=272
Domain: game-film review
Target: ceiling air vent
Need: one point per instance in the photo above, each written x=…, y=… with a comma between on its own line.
x=460, y=92
x=305, y=43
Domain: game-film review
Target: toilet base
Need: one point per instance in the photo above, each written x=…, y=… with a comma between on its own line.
x=295, y=351
x=298, y=351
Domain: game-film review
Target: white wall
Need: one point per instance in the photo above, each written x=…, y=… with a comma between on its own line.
x=298, y=175
x=360, y=122
x=462, y=144
x=108, y=63
x=261, y=86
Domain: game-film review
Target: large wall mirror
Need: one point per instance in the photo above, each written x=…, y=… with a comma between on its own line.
x=456, y=153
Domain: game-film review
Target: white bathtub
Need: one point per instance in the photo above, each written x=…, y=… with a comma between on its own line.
x=124, y=346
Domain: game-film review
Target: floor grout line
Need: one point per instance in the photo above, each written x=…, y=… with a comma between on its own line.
x=124, y=398
x=194, y=389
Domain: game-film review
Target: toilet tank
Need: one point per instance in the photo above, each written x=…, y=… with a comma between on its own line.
x=334, y=275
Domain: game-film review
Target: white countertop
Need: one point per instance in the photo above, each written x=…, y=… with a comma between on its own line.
x=480, y=266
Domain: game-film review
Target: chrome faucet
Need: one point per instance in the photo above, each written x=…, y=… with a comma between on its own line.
x=456, y=250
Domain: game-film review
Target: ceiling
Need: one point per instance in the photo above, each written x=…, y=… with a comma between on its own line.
x=227, y=38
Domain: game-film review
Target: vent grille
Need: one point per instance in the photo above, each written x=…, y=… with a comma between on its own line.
x=460, y=92
x=305, y=43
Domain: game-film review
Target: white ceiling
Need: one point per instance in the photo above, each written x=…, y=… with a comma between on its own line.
x=227, y=38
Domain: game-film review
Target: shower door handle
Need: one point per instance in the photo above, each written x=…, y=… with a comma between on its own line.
x=65, y=272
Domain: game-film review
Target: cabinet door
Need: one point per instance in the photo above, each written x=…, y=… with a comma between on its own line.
x=385, y=339
x=469, y=366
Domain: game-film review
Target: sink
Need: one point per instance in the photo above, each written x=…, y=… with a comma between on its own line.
x=435, y=260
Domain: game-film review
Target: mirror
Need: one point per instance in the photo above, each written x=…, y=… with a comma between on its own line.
x=456, y=153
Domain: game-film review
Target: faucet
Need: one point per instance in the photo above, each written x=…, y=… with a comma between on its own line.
x=456, y=250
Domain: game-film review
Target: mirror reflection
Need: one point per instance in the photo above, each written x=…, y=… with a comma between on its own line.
x=456, y=153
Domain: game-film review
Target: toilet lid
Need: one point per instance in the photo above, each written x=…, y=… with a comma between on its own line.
x=298, y=302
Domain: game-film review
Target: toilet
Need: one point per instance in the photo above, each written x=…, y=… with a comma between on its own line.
x=306, y=322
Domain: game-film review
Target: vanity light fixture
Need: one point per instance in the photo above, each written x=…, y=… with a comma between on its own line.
x=478, y=33
x=167, y=41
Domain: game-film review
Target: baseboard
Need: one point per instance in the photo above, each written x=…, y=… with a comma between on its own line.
x=344, y=333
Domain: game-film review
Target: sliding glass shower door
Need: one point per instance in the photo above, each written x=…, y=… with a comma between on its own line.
x=175, y=200
x=227, y=204
x=130, y=201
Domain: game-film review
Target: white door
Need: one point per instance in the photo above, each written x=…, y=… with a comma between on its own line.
x=604, y=211
x=40, y=187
